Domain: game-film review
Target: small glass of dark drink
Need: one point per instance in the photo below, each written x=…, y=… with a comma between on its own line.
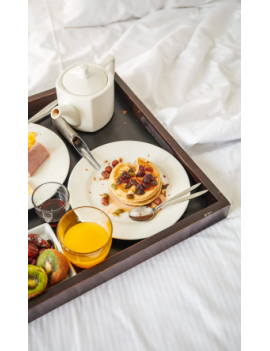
x=51, y=202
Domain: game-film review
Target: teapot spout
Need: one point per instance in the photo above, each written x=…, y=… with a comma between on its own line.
x=68, y=112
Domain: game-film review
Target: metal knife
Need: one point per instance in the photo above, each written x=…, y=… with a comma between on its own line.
x=45, y=112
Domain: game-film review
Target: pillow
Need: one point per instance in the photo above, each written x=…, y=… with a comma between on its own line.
x=87, y=13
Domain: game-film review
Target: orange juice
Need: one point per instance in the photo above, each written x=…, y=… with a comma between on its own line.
x=85, y=237
x=85, y=234
x=90, y=243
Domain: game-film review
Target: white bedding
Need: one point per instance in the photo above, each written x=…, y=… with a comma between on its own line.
x=184, y=64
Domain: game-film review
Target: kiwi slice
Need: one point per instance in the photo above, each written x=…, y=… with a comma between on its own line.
x=55, y=265
x=37, y=280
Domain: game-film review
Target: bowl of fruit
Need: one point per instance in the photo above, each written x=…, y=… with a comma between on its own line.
x=47, y=265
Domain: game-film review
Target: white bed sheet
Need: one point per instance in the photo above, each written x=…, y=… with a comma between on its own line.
x=185, y=66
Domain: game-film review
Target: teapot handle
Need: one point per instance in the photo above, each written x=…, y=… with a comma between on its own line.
x=109, y=61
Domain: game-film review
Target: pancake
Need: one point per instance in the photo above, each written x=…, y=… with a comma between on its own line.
x=140, y=198
x=141, y=203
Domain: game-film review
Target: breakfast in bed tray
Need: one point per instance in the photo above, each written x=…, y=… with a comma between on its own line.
x=117, y=195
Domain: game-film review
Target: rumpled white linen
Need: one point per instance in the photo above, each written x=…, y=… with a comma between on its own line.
x=187, y=71
x=85, y=13
x=184, y=64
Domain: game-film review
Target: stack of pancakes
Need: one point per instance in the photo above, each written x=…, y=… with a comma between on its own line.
x=121, y=192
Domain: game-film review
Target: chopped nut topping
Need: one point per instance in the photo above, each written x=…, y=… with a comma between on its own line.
x=105, y=201
x=105, y=174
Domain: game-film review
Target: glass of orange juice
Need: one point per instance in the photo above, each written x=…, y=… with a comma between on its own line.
x=85, y=234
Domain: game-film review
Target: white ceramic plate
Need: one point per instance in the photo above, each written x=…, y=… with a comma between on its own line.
x=85, y=191
x=46, y=233
x=55, y=168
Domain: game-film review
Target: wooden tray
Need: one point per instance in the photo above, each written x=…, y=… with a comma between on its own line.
x=140, y=125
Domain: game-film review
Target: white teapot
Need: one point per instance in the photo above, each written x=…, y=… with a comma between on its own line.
x=85, y=93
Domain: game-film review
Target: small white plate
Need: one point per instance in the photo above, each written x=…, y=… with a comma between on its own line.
x=56, y=166
x=46, y=233
x=85, y=191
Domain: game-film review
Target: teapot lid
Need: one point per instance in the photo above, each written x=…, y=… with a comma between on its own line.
x=85, y=79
